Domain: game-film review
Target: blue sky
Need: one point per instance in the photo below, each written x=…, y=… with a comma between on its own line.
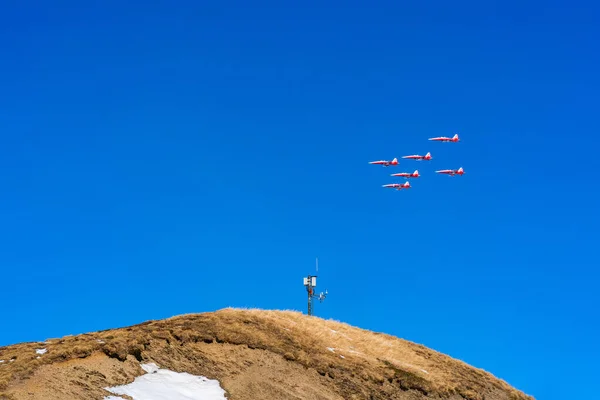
x=158, y=160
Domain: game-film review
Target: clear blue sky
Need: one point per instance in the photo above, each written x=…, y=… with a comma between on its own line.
x=158, y=160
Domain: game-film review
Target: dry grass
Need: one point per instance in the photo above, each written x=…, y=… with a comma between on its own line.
x=357, y=361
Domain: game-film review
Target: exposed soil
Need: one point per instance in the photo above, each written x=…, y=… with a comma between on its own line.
x=255, y=354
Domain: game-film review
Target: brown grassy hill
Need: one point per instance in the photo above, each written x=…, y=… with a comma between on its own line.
x=255, y=354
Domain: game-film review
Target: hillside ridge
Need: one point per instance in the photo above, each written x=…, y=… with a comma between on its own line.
x=254, y=354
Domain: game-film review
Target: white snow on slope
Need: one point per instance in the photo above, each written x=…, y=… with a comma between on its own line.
x=150, y=368
x=41, y=351
x=162, y=384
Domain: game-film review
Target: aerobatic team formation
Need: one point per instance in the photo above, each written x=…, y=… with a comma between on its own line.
x=415, y=174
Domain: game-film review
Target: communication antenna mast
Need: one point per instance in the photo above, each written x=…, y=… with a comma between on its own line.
x=310, y=282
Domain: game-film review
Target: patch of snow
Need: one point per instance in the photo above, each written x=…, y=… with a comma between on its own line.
x=331, y=349
x=150, y=368
x=41, y=351
x=342, y=356
x=1, y=361
x=424, y=371
x=38, y=357
x=162, y=384
x=100, y=341
x=332, y=330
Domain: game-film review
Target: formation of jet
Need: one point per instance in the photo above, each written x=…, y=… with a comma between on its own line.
x=397, y=186
x=418, y=157
x=446, y=139
x=408, y=174
x=385, y=163
x=426, y=157
x=451, y=172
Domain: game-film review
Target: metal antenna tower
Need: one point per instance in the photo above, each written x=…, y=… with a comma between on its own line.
x=311, y=282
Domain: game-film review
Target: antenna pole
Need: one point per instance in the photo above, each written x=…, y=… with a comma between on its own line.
x=310, y=282
x=310, y=294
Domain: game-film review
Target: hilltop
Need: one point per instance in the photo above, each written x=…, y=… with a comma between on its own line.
x=254, y=354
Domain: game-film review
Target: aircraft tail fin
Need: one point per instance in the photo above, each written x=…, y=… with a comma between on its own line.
x=455, y=136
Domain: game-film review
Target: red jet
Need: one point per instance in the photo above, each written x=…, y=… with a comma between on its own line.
x=451, y=172
x=417, y=157
x=385, y=163
x=397, y=186
x=407, y=174
x=446, y=139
